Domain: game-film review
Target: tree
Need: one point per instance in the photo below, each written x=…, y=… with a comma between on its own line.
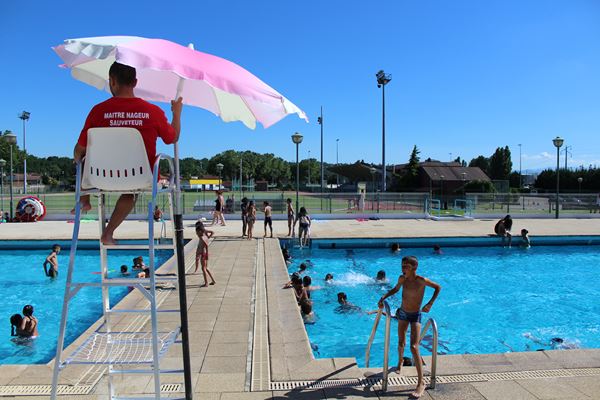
x=500, y=164
x=461, y=162
x=482, y=162
x=408, y=178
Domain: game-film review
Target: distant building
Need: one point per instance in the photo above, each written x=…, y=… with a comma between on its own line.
x=32, y=179
x=449, y=175
x=203, y=183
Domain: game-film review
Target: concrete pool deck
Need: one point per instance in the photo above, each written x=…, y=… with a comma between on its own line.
x=246, y=333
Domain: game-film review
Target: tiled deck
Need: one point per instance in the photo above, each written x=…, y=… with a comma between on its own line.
x=245, y=332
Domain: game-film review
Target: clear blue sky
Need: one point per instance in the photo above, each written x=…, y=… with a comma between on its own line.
x=468, y=76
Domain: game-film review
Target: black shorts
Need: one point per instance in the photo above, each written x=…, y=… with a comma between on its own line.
x=268, y=221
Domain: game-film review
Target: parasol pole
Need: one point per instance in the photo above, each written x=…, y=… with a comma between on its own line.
x=183, y=308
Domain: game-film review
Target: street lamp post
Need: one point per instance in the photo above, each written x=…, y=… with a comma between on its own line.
x=337, y=161
x=382, y=80
x=308, y=173
x=11, y=139
x=219, y=170
x=2, y=165
x=579, y=180
x=320, y=121
x=297, y=139
x=241, y=178
x=24, y=116
x=441, y=192
x=520, y=175
x=558, y=142
x=373, y=171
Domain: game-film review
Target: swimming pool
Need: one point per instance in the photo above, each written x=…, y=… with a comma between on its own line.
x=23, y=282
x=493, y=299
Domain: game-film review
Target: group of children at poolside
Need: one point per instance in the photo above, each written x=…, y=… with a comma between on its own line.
x=248, y=210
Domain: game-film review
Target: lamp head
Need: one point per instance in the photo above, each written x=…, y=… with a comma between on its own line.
x=580, y=179
x=297, y=138
x=10, y=137
x=382, y=78
x=558, y=141
x=372, y=171
x=3, y=163
x=219, y=167
x=24, y=115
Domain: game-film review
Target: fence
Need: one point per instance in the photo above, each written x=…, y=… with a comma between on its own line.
x=472, y=204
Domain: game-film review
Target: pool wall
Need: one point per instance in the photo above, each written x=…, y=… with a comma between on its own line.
x=419, y=242
x=290, y=352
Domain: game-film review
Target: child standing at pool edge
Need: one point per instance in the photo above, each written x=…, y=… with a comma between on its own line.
x=410, y=313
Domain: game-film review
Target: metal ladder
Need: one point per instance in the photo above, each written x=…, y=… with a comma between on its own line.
x=116, y=353
x=386, y=345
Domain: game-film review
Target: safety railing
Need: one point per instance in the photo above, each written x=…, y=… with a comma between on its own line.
x=386, y=345
x=431, y=324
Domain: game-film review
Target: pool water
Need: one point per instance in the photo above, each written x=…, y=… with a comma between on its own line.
x=23, y=281
x=493, y=299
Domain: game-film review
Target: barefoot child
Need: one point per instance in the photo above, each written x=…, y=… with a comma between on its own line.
x=51, y=263
x=290, y=217
x=202, y=251
x=410, y=313
x=251, y=219
x=268, y=210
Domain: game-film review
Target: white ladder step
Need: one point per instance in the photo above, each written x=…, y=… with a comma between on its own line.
x=144, y=398
x=140, y=311
x=126, y=282
x=136, y=246
x=144, y=371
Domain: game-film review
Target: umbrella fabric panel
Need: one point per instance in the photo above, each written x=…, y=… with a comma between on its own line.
x=210, y=82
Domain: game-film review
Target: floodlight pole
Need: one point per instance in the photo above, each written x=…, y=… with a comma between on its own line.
x=297, y=139
x=382, y=80
x=558, y=142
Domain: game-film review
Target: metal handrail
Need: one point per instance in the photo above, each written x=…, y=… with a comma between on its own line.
x=386, y=345
x=431, y=323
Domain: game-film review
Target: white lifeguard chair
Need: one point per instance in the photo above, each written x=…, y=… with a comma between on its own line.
x=116, y=162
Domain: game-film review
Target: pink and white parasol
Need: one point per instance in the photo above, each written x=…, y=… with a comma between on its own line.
x=166, y=69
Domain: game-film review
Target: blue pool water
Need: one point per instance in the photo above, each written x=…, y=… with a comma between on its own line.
x=22, y=281
x=493, y=299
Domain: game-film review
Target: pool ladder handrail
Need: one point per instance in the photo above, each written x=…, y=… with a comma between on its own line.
x=386, y=347
x=433, y=325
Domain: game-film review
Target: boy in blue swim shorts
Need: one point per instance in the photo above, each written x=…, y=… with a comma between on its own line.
x=410, y=313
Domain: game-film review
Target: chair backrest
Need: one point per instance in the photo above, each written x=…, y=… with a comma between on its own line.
x=116, y=160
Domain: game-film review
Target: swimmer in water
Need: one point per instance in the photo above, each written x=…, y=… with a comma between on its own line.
x=15, y=324
x=29, y=324
x=525, y=238
x=51, y=262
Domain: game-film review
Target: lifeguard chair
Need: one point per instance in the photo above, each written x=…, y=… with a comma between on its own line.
x=116, y=162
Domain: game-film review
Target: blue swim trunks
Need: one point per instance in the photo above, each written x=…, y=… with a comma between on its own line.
x=408, y=316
